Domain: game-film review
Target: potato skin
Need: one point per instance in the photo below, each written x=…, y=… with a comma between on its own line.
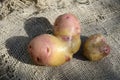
x=67, y=25
x=55, y=50
x=96, y=48
x=67, y=28
x=48, y=50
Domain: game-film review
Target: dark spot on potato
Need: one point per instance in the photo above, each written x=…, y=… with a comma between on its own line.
x=30, y=46
x=38, y=59
x=48, y=50
x=67, y=17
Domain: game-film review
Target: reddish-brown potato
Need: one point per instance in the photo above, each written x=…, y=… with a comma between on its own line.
x=95, y=47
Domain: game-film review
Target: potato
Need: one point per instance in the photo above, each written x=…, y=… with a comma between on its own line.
x=55, y=50
x=48, y=50
x=67, y=28
x=67, y=25
x=96, y=48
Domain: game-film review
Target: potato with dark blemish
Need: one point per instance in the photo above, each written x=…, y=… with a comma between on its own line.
x=96, y=48
x=67, y=28
x=48, y=50
x=55, y=50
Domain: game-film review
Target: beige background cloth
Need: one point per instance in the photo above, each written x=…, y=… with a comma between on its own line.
x=21, y=20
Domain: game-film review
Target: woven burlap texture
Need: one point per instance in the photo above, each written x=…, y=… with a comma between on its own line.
x=22, y=20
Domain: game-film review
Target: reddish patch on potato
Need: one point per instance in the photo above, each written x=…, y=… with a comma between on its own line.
x=105, y=49
x=66, y=38
x=67, y=58
x=103, y=40
x=67, y=17
x=67, y=23
x=51, y=50
x=38, y=59
x=96, y=48
x=48, y=50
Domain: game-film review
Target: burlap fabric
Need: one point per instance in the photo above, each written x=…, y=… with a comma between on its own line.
x=21, y=20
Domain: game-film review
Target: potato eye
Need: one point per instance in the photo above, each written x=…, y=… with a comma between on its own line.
x=38, y=59
x=30, y=46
